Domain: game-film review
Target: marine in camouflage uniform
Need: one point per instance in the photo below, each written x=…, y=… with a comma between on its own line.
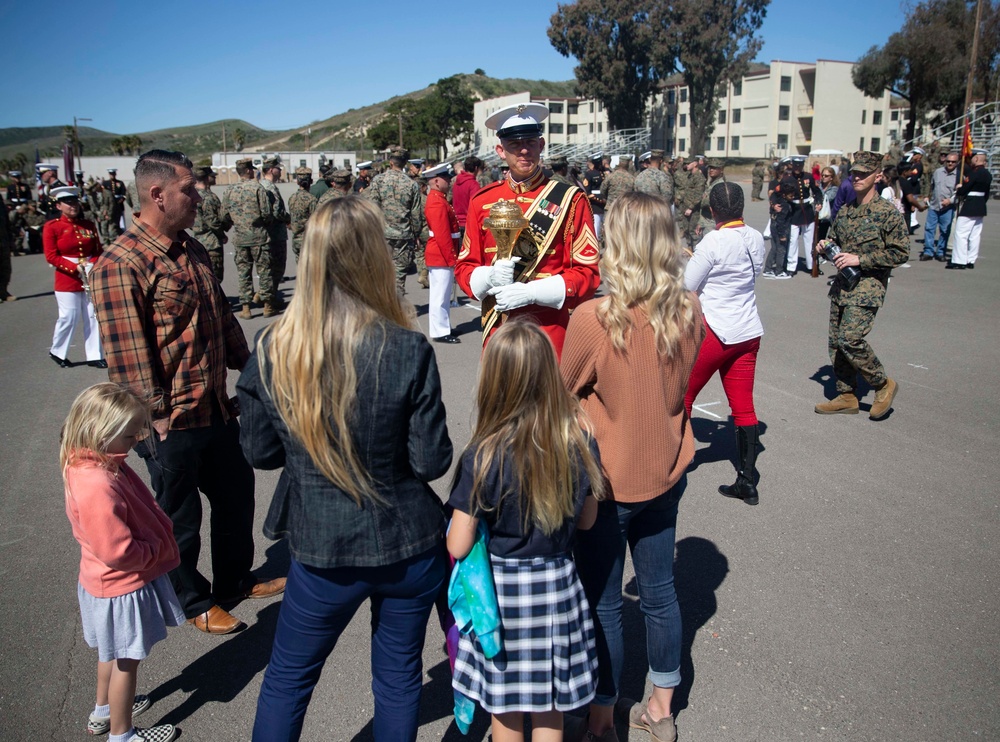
x=620, y=182
x=301, y=206
x=340, y=186
x=132, y=199
x=560, y=170
x=277, y=231
x=112, y=206
x=420, y=250
x=757, y=174
x=874, y=231
x=399, y=198
x=716, y=175
x=210, y=225
x=688, y=198
x=248, y=207
x=653, y=180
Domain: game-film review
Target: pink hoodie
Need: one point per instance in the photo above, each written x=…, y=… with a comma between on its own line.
x=126, y=540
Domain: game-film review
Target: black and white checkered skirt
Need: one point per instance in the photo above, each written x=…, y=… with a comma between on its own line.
x=549, y=659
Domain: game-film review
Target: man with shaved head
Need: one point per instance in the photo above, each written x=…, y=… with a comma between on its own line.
x=167, y=328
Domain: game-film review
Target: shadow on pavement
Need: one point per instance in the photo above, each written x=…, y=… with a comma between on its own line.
x=720, y=435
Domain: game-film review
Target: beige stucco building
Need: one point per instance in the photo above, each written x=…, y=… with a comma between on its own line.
x=570, y=121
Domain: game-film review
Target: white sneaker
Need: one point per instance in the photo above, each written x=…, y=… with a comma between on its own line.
x=782, y=276
x=102, y=724
x=768, y=274
x=159, y=733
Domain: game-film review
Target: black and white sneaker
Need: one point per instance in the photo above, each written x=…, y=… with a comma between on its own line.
x=782, y=276
x=102, y=724
x=768, y=274
x=159, y=733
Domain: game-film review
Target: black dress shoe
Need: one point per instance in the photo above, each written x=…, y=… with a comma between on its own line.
x=61, y=362
x=98, y=364
x=954, y=267
x=970, y=266
x=941, y=258
x=450, y=339
x=925, y=257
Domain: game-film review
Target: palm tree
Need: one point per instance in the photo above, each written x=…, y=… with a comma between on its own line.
x=239, y=139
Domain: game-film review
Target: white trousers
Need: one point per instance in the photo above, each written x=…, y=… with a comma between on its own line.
x=968, y=233
x=74, y=306
x=439, y=305
x=806, y=231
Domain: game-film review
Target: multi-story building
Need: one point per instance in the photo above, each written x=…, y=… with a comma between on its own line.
x=570, y=121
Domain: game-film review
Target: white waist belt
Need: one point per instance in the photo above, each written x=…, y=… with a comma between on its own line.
x=454, y=235
x=807, y=201
x=981, y=194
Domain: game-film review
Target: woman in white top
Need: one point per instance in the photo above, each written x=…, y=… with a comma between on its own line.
x=723, y=271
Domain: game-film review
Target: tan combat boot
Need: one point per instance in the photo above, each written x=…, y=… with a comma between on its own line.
x=883, y=400
x=246, y=314
x=845, y=404
x=423, y=279
x=269, y=310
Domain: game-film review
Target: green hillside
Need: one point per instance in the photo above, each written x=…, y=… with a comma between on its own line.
x=343, y=131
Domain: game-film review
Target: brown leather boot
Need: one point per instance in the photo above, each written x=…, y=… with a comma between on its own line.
x=269, y=310
x=423, y=279
x=246, y=314
x=883, y=400
x=845, y=404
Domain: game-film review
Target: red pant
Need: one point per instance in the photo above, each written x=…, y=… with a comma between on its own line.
x=735, y=364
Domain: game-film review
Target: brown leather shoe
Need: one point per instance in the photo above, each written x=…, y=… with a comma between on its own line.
x=217, y=620
x=845, y=404
x=261, y=589
x=883, y=400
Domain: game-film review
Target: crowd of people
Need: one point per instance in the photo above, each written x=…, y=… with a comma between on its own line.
x=342, y=394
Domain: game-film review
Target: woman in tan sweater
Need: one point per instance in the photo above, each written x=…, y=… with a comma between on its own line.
x=628, y=357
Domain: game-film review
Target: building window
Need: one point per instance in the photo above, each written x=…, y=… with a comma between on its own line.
x=861, y=145
x=734, y=143
x=670, y=121
x=555, y=128
x=671, y=97
x=737, y=115
x=571, y=129
x=592, y=107
x=591, y=128
x=573, y=109
x=720, y=143
x=783, y=112
x=782, y=141
x=722, y=117
x=738, y=88
x=681, y=145
x=876, y=144
x=684, y=120
x=600, y=127
x=876, y=118
x=894, y=116
x=670, y=147
x=302, y=163
x=600, y=106
x=864, y=116
x=786, y=84
x=684, y=95
x=555, y=107
x=347, y=164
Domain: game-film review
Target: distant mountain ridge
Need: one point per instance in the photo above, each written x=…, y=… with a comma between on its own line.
x=344, y=131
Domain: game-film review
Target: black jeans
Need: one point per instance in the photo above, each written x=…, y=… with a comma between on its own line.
x=210, y=460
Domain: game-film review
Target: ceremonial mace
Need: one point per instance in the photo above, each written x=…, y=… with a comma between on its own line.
x=506, y=222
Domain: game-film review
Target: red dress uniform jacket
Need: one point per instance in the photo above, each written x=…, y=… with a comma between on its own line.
x=66, y=241
x=572, y=255
x=442, y=247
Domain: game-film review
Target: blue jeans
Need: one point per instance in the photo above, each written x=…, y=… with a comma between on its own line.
x=648, y=528
x=317, y=607
x=937, y=220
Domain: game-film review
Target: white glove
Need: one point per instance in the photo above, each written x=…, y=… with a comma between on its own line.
x=546, y=292
x=486, y=277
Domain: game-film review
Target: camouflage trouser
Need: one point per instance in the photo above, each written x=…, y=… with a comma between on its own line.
x=686, y=225
x=419, y=254
x=5, y=269
x=707, y=225
x=215, y=252
x=850, y=353
x=245, y=259
x=279, y=256
x=297, y=247
x=112, y=230
x=402, y=256
x=758, y=185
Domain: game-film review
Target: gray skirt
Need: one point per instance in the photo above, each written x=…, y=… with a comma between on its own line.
x=126, y=627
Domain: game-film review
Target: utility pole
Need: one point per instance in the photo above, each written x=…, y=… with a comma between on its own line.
x=400, y=115
x=76, y=142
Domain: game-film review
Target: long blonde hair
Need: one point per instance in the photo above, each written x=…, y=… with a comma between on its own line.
x=529, y=419
x=642, y=266
x=346, y=291
x=99, y=415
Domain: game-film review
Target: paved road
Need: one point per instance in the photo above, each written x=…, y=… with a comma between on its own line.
x=858, y=601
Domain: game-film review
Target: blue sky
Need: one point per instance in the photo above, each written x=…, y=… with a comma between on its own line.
x=135, y=66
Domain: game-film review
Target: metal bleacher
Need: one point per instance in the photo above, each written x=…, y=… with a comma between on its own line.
x=985, y=131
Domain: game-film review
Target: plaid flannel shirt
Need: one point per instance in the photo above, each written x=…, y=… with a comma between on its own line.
x=166, y=326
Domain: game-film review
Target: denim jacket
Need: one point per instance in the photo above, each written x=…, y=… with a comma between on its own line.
x=401, y=436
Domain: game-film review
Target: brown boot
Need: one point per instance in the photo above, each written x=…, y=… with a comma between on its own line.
x=423, y=279
x=845, y=404
x=246, y=314
x=883, y=400
x=269, y=310
x=256, y=298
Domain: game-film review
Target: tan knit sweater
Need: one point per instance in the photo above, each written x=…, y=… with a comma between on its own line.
x=635, y=401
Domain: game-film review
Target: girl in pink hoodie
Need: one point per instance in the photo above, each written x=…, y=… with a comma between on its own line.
x=126, y=548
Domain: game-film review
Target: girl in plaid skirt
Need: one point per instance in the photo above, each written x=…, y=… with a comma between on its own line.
x=532, y=474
